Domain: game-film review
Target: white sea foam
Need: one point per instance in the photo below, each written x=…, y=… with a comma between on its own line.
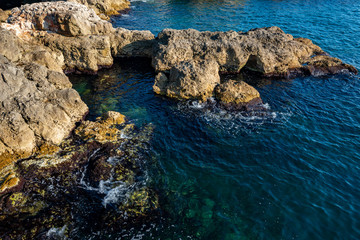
x=116, y=194
x=57, y=233
x=233, y=122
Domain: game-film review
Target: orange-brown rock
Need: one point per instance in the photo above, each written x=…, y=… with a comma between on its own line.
x=237, y=94
x=105, y=8
x=102, y=130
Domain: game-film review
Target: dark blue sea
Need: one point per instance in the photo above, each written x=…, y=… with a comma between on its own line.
x=291, y=171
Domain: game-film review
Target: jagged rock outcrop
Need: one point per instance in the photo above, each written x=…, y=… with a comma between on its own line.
x=189, y=80
x=131, y=43
x=17, y=50
x=65, y=18
x=325, y=65
x=105, y=8
x=237, y=95
x=268, y=51
x=83, y=53
x=75, y=36
x=38, y=106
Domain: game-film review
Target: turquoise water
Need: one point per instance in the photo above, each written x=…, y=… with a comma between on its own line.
x=288, y=172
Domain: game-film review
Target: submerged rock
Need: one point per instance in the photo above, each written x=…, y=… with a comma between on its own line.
x=268, y=51
x=237, y=95
x=189, y=80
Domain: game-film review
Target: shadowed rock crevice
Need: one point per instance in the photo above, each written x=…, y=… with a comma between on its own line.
x=254, y=64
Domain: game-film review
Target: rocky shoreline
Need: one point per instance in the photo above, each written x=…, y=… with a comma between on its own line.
x=44, y=132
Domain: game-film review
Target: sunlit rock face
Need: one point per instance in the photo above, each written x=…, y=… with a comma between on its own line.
x=189, y=80
x=268, y=51
x=103, y=8
x=65, y=18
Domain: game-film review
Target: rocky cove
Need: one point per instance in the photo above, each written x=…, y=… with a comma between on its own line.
x=44, y=134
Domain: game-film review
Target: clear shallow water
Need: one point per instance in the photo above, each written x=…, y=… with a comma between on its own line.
x=289, y=172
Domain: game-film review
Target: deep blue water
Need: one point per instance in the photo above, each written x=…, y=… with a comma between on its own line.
x=289, y=172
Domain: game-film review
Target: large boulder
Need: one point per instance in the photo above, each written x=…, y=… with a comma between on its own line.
x=266, y=50
x=131, y=43
x=189, y=80
x=237, y=94
x=66, y=18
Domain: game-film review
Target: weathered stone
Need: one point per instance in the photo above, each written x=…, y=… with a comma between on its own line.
x=103, y=130
x=105, y=8
x=9, y=45
x=33, y=109
x=266, y=50
x=126, y=43
x=83, y=53
x=66, y=18
x=39, y=54
x=111, y=118
x=237, y=94
x=189, y=80
x=324, y=65
x=4, y=15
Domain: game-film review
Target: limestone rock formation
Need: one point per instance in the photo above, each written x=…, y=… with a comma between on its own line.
x=189, y=80
x=266, y=50
x=43, y=186
x=37, y=106
x=237, y=94
x=105, y=8
x=82, y=53
x=72, y=35
x=324, y=65
x=66, y=18
x=127, y=43
x=9, y=45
